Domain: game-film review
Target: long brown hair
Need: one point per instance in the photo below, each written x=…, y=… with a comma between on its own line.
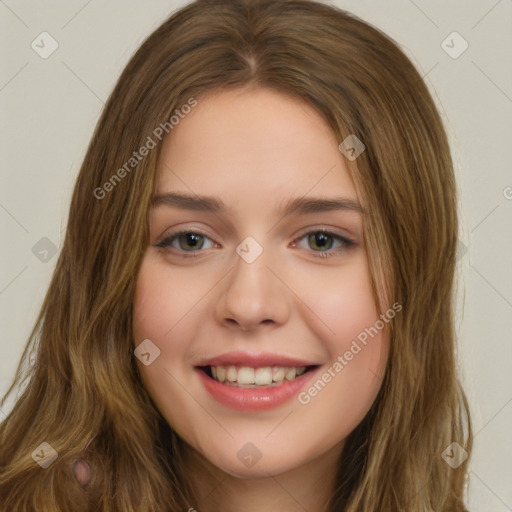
x=84, y=396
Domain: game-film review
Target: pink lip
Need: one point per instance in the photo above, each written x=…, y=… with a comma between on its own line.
x=254, y=360
x=254, y=399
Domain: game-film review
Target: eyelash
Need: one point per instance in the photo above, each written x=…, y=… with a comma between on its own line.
x=345, y=242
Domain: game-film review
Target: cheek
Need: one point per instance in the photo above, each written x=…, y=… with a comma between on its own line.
x=344, y=304
x=168, y=306
x=158, y=304
x=164, y=312
x=357, y=343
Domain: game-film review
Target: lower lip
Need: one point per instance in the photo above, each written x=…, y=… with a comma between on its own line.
x=254, y=399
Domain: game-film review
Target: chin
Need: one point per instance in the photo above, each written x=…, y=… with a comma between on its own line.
x=275, y=464
x=260, y=470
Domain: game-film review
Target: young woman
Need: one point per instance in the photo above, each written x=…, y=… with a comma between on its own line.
x=253, y=305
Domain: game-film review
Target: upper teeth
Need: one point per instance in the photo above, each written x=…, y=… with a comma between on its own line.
x=264, y=376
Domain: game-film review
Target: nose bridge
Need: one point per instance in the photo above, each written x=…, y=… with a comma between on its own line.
x=252, y=294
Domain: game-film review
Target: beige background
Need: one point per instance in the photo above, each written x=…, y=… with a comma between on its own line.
x=49, y=108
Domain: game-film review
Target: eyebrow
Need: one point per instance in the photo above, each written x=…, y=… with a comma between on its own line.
x=299, y=205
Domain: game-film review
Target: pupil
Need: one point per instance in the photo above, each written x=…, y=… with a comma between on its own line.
x=192, y=240
x=321, y=240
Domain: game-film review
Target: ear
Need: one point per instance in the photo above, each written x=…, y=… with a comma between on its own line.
x=82, y=472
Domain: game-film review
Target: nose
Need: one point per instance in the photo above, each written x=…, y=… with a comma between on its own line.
x=253, y=295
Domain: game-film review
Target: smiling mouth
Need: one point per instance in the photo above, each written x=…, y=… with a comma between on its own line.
x=255, y=377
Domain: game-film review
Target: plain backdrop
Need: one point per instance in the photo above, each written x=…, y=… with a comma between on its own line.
x=49, y=107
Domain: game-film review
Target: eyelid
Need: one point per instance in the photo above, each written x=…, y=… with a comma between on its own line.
x=322, y=228
x=162, y=241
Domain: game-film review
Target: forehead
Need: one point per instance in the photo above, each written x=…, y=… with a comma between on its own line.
x=249, y=146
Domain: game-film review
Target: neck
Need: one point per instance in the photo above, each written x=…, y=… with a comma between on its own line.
x=308, y=487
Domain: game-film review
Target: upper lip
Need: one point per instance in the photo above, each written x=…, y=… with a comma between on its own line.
x=254, y=360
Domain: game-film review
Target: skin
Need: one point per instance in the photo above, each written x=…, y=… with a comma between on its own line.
x=242, y=146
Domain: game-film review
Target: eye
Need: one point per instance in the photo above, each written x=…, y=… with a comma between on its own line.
x=324, y=241
x=186, y=241
x=190, y=243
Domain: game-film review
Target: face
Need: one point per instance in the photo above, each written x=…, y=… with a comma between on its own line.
x=263, y=348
